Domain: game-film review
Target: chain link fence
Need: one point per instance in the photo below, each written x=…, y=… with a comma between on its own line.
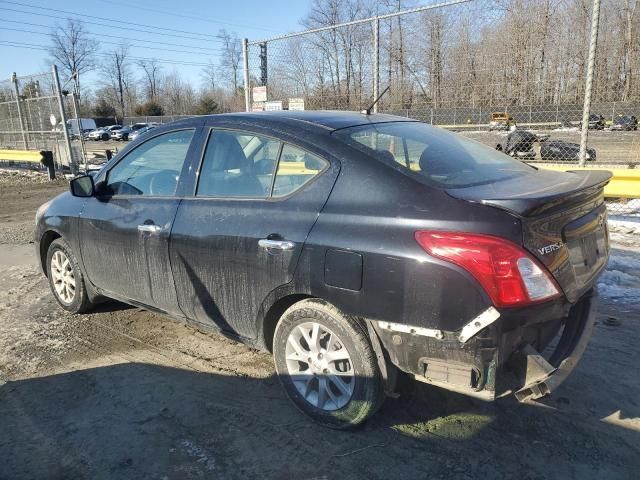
x=32, y=117
x=509, y=74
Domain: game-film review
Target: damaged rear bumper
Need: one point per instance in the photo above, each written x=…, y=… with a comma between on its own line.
x=497, y=354
x=541, y=377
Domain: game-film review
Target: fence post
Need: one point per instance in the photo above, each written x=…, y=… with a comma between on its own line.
x=245, y=57
x=63, y=118
x=376, y=61
x=74, y=96
x=14, y=80
x=595, y=22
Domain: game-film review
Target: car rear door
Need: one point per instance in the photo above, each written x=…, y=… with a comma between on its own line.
x=124, y=230
x=240, y=236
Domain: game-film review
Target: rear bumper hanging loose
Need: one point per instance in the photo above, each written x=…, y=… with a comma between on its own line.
x=542, y=376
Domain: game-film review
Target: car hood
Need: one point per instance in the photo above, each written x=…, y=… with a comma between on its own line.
x=536, y=192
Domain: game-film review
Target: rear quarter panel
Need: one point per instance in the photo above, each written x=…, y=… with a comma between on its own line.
x=374, y=211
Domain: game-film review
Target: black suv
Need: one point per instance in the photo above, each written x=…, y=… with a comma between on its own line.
x=352, y=246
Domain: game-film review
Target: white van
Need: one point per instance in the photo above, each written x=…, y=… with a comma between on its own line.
x=85, y=124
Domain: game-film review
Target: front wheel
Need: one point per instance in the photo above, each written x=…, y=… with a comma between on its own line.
x=65, y=278
x=326, y=364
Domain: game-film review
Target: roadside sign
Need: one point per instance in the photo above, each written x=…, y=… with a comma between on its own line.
x=296, y=104
x=257, y=107
x=259, y=94
x=273, y=106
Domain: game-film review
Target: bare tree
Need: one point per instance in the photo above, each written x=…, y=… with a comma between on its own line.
x=209, y=76
x=152, y=78
x=74, y=48
x=231, y=56
x=116, y=71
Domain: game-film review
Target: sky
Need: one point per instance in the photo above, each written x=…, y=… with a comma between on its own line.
x=182, y=31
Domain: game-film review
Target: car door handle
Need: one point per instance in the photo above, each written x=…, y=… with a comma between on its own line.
x=276, y=244
x=149, y=228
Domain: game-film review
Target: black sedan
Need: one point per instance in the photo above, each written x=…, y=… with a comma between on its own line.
x=352, y=246
x=561, y=151
x=625, y=122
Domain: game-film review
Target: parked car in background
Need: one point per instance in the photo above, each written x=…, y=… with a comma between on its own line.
x=501, y=121
x=625, y=122
x=99, y=134
x=136, y=133
x=104, y=133
x=121, y=133
x=264, y=227
x=138, y=126
x=596, y=122
x=560, y=150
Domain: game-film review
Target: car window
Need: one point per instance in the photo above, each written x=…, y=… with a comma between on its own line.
x=153, y=168
x=295, y=169
x=441, y=158
x=238, y=164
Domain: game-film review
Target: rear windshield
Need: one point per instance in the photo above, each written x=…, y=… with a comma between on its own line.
x=441, y=158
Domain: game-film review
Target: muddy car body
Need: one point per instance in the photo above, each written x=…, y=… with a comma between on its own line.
x=352, y=246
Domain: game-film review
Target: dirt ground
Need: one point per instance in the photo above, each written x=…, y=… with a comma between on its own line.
x=125, y=393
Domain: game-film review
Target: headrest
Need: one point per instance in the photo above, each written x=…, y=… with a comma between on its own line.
x=226, y=153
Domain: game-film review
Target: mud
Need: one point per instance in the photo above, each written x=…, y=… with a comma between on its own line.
x=125, y=393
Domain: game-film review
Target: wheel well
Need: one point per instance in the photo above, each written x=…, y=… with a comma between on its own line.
x=45, y=241
x=273, y=316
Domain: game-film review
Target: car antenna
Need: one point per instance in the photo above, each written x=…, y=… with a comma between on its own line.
x=368, y=110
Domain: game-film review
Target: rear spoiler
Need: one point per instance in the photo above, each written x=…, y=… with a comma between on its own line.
x=541, y=192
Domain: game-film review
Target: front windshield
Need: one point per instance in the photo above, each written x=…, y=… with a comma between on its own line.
x=442, y=158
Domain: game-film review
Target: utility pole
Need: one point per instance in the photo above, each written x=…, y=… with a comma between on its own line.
x=595, y=23
x=376, y=61
x=245, y=57
x=263, y=64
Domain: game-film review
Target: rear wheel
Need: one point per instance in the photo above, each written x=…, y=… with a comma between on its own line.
x=326, y=364
x=65, y=278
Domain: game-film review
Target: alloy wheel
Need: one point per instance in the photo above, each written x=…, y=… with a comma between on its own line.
x=320, y=366
x=64, y=280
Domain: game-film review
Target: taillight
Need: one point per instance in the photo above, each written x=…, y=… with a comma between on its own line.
x=510, y=276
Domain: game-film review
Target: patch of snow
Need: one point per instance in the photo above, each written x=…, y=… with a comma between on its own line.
x=621, y=280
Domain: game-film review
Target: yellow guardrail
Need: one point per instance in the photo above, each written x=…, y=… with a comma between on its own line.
x=625, y=182
x=20, y=156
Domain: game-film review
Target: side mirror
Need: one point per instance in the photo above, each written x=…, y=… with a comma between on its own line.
x=82, y=186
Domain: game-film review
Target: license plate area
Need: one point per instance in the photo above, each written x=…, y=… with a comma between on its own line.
x=586, y=240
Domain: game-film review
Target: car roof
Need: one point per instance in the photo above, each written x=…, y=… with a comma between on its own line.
x=325, y=119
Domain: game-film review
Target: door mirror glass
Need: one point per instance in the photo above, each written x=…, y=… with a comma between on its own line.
x=82, y=186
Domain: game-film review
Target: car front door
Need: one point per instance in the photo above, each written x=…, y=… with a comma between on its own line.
x=240, y=236
x=124, y=229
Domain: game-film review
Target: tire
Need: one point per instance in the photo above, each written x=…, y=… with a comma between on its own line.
x=339, y=393
x=105, y=137
x=72, y=295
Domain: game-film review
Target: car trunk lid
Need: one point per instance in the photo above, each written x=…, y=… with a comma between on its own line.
x=563, y=220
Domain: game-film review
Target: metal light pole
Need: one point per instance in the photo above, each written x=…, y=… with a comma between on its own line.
x=595, y=22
